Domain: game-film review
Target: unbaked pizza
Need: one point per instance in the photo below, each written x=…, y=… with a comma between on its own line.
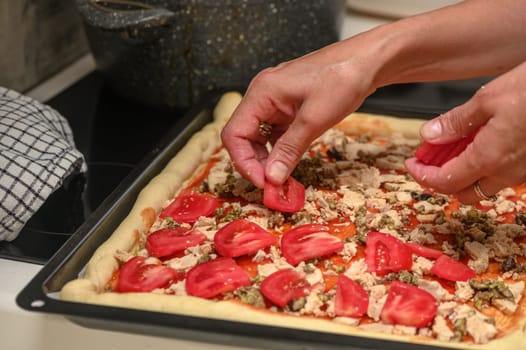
x=351, y=244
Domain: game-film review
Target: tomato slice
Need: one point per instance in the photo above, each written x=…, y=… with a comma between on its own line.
x=288, y=198
x=136, y=276
x=409, y=306
x=241, y=237
x=351, y=299
x=424, y=251
x=168, y=241
x=283, y=286
x=452, y=270
x=309, y=241
x=385, y=253
x=190, y=205
x=437, y=155
x=215, y=277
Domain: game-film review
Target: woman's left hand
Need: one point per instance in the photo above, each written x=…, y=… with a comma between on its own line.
x=497, y=156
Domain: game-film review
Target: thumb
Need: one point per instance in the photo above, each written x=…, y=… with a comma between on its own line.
x=287, y=152
x=455, y=124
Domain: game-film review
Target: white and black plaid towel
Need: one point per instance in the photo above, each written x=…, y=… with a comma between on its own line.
x=37, y=153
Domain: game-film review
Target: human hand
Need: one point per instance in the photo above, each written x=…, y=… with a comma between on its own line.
x=497, y=156
x=300, y=99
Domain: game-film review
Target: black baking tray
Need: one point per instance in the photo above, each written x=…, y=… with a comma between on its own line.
x=41, y=294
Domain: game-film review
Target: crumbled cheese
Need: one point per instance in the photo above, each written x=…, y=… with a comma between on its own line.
x=260, y=256
x=463, y=291
x=479, y=326
x=349, y=251
x=504, y=206
x=352, y=199
x=403, y=197
x=178, y=288
x=314, y=275
x=421, y=265
x=377, y=298
x=435, y=289
x=441, y=329
x=314, y=303
x=510, y=306
x=357, y=271
x=446, y=308
x=259, y=220
x=207, y=226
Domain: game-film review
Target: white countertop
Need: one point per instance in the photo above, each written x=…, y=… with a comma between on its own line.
x=21, y=330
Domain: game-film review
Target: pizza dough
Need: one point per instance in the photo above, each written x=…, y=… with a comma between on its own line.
x=187, y=164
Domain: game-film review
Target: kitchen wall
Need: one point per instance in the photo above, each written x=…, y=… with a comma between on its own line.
x=37, y=39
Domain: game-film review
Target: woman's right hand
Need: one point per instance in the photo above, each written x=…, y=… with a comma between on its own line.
x=300, y=99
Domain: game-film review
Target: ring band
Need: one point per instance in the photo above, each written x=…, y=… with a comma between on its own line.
x=265, y=129
x=481, y=194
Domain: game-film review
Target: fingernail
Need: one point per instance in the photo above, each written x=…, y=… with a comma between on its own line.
x=277, y=172
x=431, y=130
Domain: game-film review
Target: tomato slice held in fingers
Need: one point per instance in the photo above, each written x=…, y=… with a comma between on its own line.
x=136, y=276
x=452, y=270
x=307, y=242
x=288, y=198
x=351, y=299
x=215, y=277
x=408, y=305
x=168, y=241
x=385, y=253
x=439, y=154
x=241, y=237
x=189, y=206
x=422, y=250
x=283, y=286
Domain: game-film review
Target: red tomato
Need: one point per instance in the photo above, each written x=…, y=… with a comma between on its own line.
x=437, y=155
x=190, y=205
x=215, y=277
x=288, y=198
x=351, y=299
x=135, y=276
x=283, y=286
x=241, y=237
x=424, y=251
x=385, y=253
x=452, y=270
x=168, y=241
x=307, y=242
x=409, y=306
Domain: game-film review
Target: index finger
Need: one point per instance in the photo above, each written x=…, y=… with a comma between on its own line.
x=245, y=145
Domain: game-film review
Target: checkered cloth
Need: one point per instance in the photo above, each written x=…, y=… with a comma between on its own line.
x=37, y=153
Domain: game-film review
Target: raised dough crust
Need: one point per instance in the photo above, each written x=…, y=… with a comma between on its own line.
x=89, y=288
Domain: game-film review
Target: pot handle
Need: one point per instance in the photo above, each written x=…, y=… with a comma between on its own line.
x=122, y=15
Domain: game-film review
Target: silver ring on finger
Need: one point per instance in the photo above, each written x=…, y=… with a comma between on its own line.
x=480, y=193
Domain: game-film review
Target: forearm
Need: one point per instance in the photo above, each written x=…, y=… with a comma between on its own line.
x=473, y=38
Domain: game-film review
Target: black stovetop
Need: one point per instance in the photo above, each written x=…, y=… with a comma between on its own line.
x=115, y=134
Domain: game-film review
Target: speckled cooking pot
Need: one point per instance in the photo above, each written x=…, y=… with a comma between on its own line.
x=168, y=53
